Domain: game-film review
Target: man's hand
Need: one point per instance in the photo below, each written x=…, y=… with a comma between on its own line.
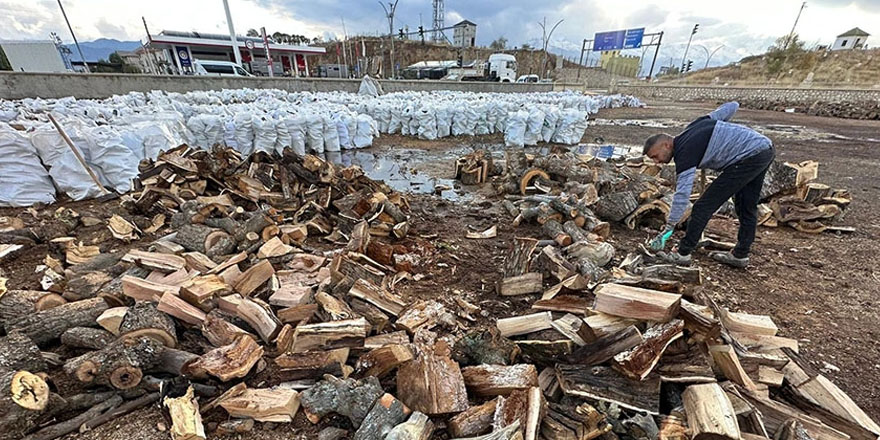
x=659, y=242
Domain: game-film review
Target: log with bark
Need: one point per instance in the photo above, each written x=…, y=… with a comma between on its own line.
x=381, y=361
x=385, y=414
x=145, y=319
x=517, y=260
x=615, y=207
x=710, y=414
x=19, y=352
x=606, y=347
x=473, y=421
x=48, y=325
x=417, y=427
x=607, y=385
x=637, y=362
x=121, y=364
x=87, y=337
x=346, y=397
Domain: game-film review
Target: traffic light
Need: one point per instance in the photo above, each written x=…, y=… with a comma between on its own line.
x=696, y=26
x=422, y=34
x=689, y=64
x=401, y=33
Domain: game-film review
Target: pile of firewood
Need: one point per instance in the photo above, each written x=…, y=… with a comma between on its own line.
x=647, y=341
x=841, y=109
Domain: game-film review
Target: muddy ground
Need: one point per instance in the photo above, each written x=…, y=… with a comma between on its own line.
x=822, y=290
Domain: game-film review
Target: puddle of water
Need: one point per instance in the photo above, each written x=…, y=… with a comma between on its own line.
x=649, y=123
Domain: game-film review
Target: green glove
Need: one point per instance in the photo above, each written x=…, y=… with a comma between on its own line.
x=659, y=242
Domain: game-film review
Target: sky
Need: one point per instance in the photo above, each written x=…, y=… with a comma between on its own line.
x=736, y=28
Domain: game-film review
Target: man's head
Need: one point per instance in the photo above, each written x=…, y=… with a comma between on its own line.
x=659, y=148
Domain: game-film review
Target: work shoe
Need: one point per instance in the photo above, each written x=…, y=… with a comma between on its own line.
x=675, y=258
x=730, y=260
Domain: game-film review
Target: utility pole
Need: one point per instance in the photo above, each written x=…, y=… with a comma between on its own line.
x=656, y=51
x=344, y=54
x=78, y=49
x=686, y=49
x=546, y=37
x=235, y=51
x=389, y=12
x=791, y=34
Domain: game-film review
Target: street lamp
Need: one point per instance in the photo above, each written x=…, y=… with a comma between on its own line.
x=389, y=12
x=708, y=54
x=546, y=37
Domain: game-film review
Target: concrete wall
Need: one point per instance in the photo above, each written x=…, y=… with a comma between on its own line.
x=789, y=95
x=18, y=85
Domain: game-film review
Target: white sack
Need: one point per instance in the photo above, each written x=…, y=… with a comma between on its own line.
x=23, y=180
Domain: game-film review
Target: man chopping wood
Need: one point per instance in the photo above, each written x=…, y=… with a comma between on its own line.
x=741, y=154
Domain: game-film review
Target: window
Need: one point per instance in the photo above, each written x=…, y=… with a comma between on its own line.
x=217, y=68
x=843, y=44
x=240, y=71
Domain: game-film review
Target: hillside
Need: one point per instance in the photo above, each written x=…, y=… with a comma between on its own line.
x=845, y=68
x=101, y=48
x=408, y=52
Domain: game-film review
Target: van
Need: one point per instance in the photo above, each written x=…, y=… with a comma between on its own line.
x=219, y=68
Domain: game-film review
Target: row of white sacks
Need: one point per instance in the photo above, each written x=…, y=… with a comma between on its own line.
x=114, y=134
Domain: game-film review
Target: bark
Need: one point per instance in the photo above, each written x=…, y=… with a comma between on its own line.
x=19, y=352
x=48, y=325
x=120, y=365
x=87, y=337
x=145, y=319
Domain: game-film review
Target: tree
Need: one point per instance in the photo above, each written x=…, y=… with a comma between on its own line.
x=318, y=40
x=4, y=62
x=781, y=51
x=253, y=33
x=116, y=59
x=499, y=44
x=527, y=46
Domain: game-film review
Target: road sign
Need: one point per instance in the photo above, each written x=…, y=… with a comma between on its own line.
x=616, y=40
x=633, y=38
x=249, y=44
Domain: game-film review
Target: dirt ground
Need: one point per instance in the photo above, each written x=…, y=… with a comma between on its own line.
x=822, y=290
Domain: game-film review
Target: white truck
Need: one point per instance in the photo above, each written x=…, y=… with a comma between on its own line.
x=501, y=67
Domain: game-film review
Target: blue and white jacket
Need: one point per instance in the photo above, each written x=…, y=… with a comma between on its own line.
x=710, y=142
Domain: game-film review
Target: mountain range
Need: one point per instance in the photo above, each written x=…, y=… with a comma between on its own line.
x=101, y=48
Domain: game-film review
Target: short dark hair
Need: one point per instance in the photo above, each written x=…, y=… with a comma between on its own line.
x=649, y=144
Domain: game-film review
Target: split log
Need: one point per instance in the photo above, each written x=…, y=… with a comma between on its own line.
x=87, y=337
x=346, y=397
x=201, y=289
x=186, y=421
x=48, y=325
x=746, y=323
x=499, y=380
x=82, y=287
x=710, y=414
x=573, y=283
x=781, y=178
x=433, y=381
x=528, y=176
x=377, y=296
x=425, y=315
x=111, y=319
x=381, y=361
x=264, y=405
x=417, y=427
x=473, y=421
x=120, y=364
x=145, y=319
x=636, y=303
x=329, y=335
x=260, y=317
x=685, y=365
x=311, y=364
x=145, y=290
x=540, y=352
x=521, y=285
x=516, y=262
x=700, y=319
x=579, y=423
x=775, y=414
x=728, y=362
x=550, y=261
x=574, y=328
x=386, y=413
x=254, y=277
x=19, y=352
x=511, y=409
x=218, y=331
x=373, y=342
x=180, y=309
x=165, y=263
x=828, y=396
x=602, y=324
x=564, y=304
x=511, y=432
x=793, y=429
x=605, y=348
x=520, y=325
x=299, y=313
x=230, y=361
x=605, y=384
x=332, y=308
x=637, y=362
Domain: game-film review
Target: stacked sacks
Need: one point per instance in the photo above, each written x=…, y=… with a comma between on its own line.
x=23, y=180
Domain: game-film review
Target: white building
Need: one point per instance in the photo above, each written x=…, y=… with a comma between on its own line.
x=33, y=56
x=464, y=34
x=854, y=38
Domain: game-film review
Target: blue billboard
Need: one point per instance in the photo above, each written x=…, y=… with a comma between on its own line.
x=617, y=40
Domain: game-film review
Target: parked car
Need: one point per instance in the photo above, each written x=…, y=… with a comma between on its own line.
x=219, y=68
x=528, y=79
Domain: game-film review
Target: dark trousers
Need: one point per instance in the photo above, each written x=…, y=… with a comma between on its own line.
x=742, y=181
